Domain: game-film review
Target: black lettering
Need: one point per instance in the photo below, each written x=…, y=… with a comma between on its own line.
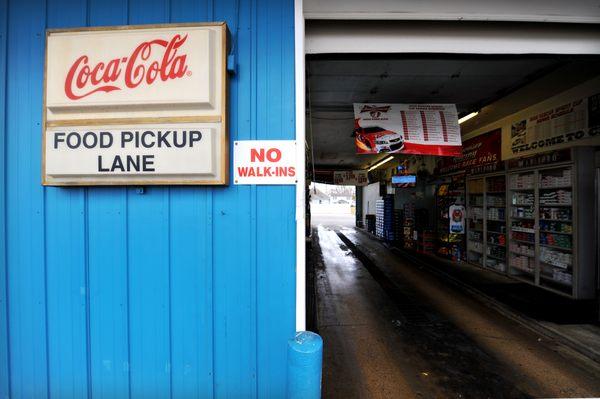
x=117, y=164
x=126, y=137
x=148, y=163
x=86, y=141
x=100, y=168
x=146, y=134
x=162, y=139
x=77, y=140
x=59, y=137
x=175, y=143
x=195, y=135
x=106, y=139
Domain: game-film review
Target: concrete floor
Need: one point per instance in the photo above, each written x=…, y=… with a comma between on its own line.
x=392, y=330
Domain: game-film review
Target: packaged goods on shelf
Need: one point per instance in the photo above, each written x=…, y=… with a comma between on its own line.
x=522, y=212
x=556, y=227
x=495, y=200
x=475, y=213
x=495, y=264
x=496, y=239
x=556, y=257
x=562, y=179
x=550, y=213
x=556, y=240
x=557, y=197
x=520, y=198
x=475, y=246
x=522, y=262
x=521, y=181
x=521, y=236
x=562, y=276
x=522, y=249
x=523, y=226
x=495, y=214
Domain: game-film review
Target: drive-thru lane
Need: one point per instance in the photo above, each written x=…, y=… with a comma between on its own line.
x=394, y=330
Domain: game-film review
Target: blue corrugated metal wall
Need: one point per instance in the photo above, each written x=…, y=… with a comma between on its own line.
x=174, y=292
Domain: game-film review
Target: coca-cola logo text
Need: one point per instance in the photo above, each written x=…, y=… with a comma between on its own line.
x=84, y=79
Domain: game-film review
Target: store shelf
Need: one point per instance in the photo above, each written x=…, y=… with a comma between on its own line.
x=556, y=247
x=557, y=220
x=554, y=205
x=555, y=187
x=523, y=241
x=495, y=245
x=520, y=253
x=544, y=277
x=555, y=232
x=522, y=217
x=496, y=257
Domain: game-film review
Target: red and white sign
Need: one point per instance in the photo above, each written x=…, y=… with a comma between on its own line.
x=138, y=72
x=264, y=162
x=430, y=129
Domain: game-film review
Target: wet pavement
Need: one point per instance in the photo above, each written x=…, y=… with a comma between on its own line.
x=393, y=330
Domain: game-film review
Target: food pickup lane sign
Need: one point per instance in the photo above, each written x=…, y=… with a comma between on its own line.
x=264, y=162
x=87, y=153
x=136, y=105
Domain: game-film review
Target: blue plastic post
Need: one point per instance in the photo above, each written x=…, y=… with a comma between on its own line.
x=305, y=358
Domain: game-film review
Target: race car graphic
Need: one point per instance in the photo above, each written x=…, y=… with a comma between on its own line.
x=375, y=140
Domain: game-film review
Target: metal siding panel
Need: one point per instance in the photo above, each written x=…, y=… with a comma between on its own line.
x=276, y=204
x=66, y=261
x=107, y=251
x=4, y=344
x=191, y=10
x=234, y=216
x=25, y=201
x=108, y=266
x=191, y=292
x=148, y=248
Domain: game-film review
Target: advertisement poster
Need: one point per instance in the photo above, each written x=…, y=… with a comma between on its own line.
x=480, y=154
x=430, y=129
x=457, y=219
x=351, y=178
x=570, y=124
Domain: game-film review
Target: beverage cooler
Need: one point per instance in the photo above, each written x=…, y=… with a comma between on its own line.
x=534, y=222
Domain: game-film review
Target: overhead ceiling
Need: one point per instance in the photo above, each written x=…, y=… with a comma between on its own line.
x=336, y=82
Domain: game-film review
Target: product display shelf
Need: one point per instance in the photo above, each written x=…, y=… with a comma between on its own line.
x=486, y=227
x=543, y=241
x=556, y=258
x=522, y=215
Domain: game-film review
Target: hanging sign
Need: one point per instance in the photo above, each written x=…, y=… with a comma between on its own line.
x=351, y=177
x=568, y=124
x=457, y=219
x=264, y=162
x=480, y=154
x=430, y=129
x=135, y=105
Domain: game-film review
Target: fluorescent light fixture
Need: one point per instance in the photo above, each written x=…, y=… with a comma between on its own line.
x=468, y=116
x=378, y=164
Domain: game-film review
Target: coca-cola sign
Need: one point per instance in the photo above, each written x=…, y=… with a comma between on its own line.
x=136, y=105
x=84, y=79
x=174, y=71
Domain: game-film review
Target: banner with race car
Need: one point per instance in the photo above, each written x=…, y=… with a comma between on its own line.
x=430, y=129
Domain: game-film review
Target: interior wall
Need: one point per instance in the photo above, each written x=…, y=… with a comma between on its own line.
x=370, y=196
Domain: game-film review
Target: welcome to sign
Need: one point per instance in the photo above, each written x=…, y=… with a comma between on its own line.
x=136, y=105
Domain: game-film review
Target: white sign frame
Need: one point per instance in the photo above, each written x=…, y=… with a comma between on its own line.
x=98, y=117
